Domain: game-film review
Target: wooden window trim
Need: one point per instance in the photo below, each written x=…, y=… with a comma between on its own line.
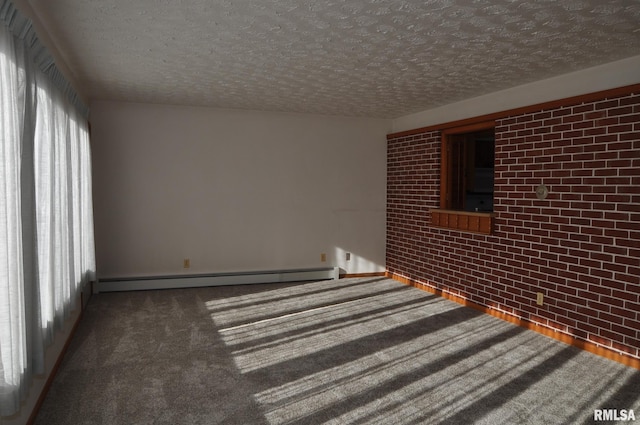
x=453, y=219
x=475, y=222
x=445, y=178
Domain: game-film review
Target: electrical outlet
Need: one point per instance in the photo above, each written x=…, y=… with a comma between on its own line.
x=540, y=298
x=323, y=257
x=187, y=263
x=348, y=256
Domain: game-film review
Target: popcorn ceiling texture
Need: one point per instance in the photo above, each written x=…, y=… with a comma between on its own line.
x=357, y=57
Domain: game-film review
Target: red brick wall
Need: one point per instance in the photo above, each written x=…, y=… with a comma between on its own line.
x=580, y=246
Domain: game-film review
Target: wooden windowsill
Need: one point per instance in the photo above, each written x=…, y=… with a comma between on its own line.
x=476, y=222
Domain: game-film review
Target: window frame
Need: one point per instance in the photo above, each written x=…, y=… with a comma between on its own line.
x=445, y=216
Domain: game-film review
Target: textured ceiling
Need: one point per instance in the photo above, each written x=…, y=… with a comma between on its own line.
x=371, y=58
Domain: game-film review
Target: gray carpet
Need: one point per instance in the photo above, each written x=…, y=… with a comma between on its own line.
x=354, y=351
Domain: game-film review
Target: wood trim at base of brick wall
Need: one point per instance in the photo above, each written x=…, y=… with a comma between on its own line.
x=556, y=334
x=375, y=274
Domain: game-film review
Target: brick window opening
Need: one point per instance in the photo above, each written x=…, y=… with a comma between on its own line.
x=466, y=183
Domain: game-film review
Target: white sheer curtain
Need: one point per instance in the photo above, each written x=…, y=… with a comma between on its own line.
x=12, y=327
x=63, y=199
x=46, y=217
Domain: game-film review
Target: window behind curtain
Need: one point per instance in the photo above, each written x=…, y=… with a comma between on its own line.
x=46, y=218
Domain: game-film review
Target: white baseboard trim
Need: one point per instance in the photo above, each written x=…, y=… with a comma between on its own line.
x=214, y=279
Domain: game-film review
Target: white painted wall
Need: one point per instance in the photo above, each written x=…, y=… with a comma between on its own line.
x=235, y=190
x=608, y=76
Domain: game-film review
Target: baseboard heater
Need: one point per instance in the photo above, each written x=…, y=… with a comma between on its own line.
x=214, y=279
